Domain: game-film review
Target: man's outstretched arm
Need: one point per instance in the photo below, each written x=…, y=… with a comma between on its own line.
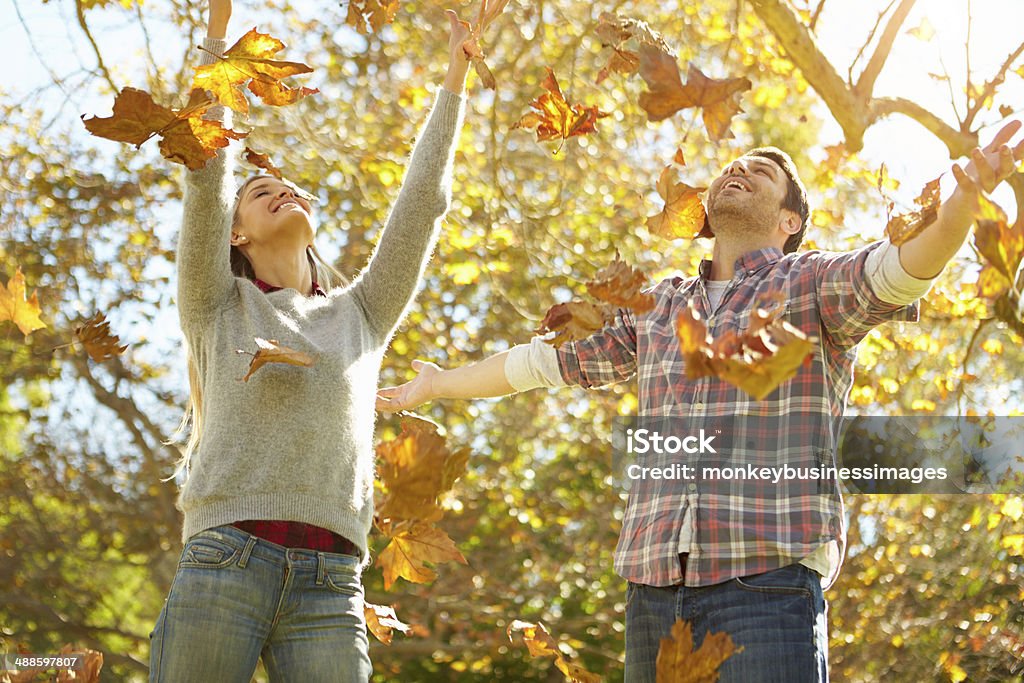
x=927, y=254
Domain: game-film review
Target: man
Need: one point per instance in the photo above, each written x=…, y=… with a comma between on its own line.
x=712, y=553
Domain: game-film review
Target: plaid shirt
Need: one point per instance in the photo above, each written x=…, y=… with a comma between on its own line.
x=297, y=534
x=742, y=526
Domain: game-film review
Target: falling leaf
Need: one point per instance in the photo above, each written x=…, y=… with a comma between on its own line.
x=97, y=340
x=370, y=16
x=1000, y=244
x=613, y=32
x=625, y=62
x=683, y=214
x=185, y=137
x=555, y=118
x=539, y=643
x=574, y=320
x=1005, y=110
x=381, y=621
x=484, y=72
x=249, y=61
x=719, y=99
x=679, y=159
x=270, y=351
x=769, y=353
x=906, y=226
x=415, y=468
x=14, y=305
x=679, y=662
x=262, y=161
x=619, y=284
x=489, y=11
x=413, y=544
x=923, y=31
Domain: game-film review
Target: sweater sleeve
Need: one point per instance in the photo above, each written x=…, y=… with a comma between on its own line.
x=387, y=285
x=203, y=256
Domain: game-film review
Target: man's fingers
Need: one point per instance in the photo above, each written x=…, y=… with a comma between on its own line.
x=1006, y=165
x=986, y=174
x=1004, y=134
x=387, y=392
x=1018, y=151
x=964, y=180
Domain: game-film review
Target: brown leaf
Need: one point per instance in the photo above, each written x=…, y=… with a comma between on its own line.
x=683, y=214
x=381, y=621
x=484, y=72
x=625, y=62
x=413, y=544
x=249, y=61
x=270, y=351
x=553, y=117
x=415, y=468
x=262, y=161
x=370, y=16
x=906, y=226
x=99, y=343
x=718, y=98
x=14, y=306
x=574, y=320
x=539, y=643
x=678, y=662
x=769, y=353
x=619, y=284
x=1000, y=244
x=186, y=138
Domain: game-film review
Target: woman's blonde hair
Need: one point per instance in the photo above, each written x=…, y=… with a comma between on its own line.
x=326, y=276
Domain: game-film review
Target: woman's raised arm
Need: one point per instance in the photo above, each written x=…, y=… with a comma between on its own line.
x=203, y=255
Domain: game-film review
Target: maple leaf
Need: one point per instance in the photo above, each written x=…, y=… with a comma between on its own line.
x=381, y=621
x=270, y=351
x=370, y=16
x=613, y=32
x=97, y=340
x=540, y=643
x=185, y=137
x=574, y=320
x=683, y=214
x=619, y=284
x=769, y=353
x=719, y=99
x=262, y=161
x=414, y=543
x=1001, y=245
x=16, y=307
x=416, y=467
x=555, y=118
x=489, y=11
x=679, y=662
x=906, y=226
x=249, y=61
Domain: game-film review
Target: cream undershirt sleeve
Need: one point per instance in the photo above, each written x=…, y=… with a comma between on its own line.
x=533, y=365
x=889, y=281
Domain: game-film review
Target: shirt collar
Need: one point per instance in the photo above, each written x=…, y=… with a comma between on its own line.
x=267, y=288
x=747, y=263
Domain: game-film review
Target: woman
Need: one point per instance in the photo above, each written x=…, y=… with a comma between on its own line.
x=279, y=496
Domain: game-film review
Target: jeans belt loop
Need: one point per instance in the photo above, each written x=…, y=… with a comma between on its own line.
x=321, y=566
x=250, y=543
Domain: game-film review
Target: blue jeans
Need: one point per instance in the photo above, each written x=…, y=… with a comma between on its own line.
x=779, y=617
x=236, y=597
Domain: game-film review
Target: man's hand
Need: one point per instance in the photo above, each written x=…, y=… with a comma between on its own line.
x=414, y=393
x=990, y=165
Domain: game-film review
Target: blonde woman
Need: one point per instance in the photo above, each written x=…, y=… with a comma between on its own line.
x=278, y=500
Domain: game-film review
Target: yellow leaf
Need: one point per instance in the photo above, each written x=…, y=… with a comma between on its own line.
x=1013, y=508
x=993, y=346
x=14, y=305
x=1015, y=544
x=465, y=273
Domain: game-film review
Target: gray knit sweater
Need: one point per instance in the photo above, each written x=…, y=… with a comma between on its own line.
x=296, y=443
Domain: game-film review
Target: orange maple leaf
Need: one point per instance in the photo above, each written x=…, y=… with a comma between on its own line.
x=370, y=16
x=555, y=118
x=270, y=351
x=1001, y=245
x=413, y=544
x=613, y=31
x=540, y=643
x=185, y=137
x=718, y=98
x=683, y=214
x=757, y=362
x=906, y=226
x=382, y=621
x=249, y=61
x=619, y=284
x=679, y=662
x=14, y=306
x=262, y=161
x=99, y=343
x=574, y=320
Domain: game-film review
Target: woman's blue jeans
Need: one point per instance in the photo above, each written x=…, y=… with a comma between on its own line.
x=779, y=617
x=236, y=597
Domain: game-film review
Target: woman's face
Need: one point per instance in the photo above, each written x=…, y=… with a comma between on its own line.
x=272, y=212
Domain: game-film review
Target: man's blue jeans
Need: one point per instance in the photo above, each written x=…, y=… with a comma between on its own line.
x=779, y=617
x=236, y=597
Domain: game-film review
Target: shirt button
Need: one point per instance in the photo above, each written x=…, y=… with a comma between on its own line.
x=698, y=406
x=692, y=487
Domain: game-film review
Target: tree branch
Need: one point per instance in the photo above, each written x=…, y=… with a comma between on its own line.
x=990, y=87
x=80, y=13
x=866, y=83
x=958, y=142
x=867, y=41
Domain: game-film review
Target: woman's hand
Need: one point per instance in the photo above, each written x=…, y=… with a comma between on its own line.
x=220, y=13
x=414, y=393
x=461, y=46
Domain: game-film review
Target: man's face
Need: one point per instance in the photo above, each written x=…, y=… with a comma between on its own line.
x=751, y=189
